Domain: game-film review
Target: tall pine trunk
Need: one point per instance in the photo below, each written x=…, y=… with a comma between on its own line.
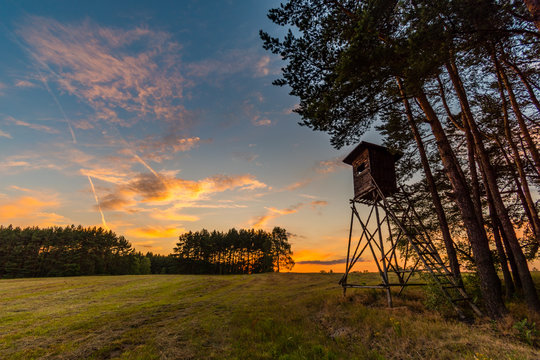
x=523, y=182
x=439, y=210
x=525, y=82
x=503, y=259
x=529, y=289
x=489, y=281
x=521, y=121
x=519, y=190
x=473, y=174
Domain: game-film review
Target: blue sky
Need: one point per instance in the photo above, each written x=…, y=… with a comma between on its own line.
x=155, y=118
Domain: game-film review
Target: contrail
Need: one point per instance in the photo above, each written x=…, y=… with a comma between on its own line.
x=59, y=106
x=36, y=58
x=145, y=165
x=97, y=202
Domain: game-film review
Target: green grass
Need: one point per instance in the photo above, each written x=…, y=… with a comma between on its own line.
x=266, y=316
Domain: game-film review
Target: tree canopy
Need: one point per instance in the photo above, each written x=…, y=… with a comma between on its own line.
x=451, y=83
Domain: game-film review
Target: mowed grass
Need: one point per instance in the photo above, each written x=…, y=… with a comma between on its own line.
x=264, y=316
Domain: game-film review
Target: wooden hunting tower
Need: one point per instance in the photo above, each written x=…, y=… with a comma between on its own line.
x=374, y=174
x=372, y=164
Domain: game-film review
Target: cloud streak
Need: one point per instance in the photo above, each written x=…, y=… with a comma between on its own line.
x=36, y=127
x=232, y=62
x=261, y=221
x=134, y=71
x=97, y=203
x=5, y=134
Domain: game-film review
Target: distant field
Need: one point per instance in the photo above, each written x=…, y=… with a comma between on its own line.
x=265, y=316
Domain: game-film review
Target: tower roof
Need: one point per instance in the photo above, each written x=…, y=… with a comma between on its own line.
x=366, y=145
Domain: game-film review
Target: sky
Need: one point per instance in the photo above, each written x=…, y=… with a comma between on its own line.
x=153, y=118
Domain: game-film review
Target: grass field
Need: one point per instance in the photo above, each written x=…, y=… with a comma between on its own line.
x=266, y=316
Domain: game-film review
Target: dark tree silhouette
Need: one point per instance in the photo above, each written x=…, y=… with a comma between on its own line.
x=353, y=64
x=235, y=252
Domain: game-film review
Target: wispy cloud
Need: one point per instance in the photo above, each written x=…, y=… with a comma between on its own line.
x=258, y=121
x=25, y=84
x=134, y=71
x=162, y=148
x=262, y=66
x=256, y=117
x=319, y=170
x=297, y=185
x=243, y=156
x=37, y=127
x=261, y=221
x=330, y=166
x=232, y=62
x=5, y=134
x=106, y=174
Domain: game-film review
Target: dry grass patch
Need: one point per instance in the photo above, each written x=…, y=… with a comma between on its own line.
x=265, y=316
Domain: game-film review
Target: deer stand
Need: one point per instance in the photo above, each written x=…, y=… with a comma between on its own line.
x=375, y=185
x=385, y=255
x=410, y=240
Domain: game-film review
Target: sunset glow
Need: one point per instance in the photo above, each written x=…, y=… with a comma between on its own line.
x=153, y=119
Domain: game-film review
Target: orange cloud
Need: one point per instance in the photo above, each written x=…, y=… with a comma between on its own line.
x=297, y=185
x=165, y=188
x=330, y=166
x=261, y=221
x=32, y=210
x=290, y=210
x=156, y=232
x=171, y=215
x=51, y=219
x=316, y=203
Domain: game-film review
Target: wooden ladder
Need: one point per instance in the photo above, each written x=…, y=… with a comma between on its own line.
x=411, y=227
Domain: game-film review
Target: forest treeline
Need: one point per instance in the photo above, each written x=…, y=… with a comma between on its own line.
x=234, y=252
x=454, y=86
x=74, y=251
